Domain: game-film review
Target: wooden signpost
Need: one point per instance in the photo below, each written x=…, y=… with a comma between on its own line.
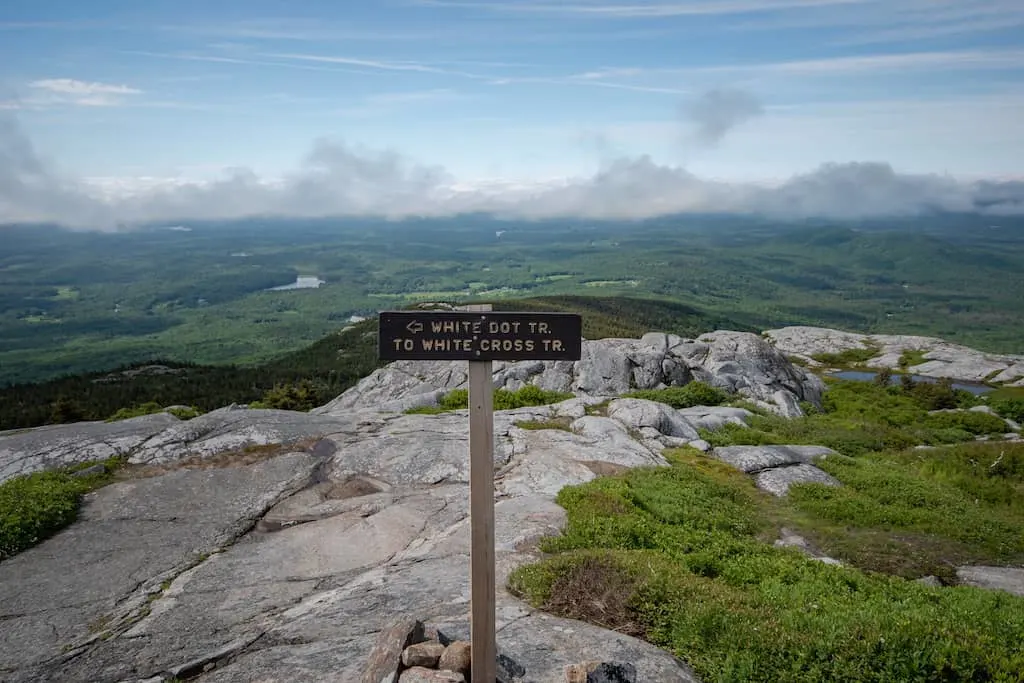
x=480, y=336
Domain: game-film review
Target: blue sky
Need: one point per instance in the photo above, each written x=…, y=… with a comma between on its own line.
x=125, y=96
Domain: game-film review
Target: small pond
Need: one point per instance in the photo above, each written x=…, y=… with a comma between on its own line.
x=301, y=283
x=862, y=376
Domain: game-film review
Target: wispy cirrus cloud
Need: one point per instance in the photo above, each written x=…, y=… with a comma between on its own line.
x=379, y=64
x=245, y=61
x=886, y=63
x=358, y=65
x=290, y=29
x=955, y=59
x=896, y=20
x=626, y=9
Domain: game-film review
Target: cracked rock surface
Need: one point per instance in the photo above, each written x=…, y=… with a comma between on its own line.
x=212, y=566
x=95, y=578
x=30, y=450
x=942, y=358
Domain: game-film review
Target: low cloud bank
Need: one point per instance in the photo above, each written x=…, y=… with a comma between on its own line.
x=338, y=180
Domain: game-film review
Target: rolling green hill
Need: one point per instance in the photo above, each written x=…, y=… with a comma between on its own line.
x=324, y=368
x=76, y=302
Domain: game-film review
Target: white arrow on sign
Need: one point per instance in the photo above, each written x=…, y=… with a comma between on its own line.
x=415, y=326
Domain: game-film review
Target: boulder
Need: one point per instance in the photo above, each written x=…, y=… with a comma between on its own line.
x=229, y=429
x=423, y=654
x=737, y=361
x=45, y=448
x=714, y=418
x=942, y=358
x=419, y=674
x=753, y=459
x=637, y=413
x=777, y=480
x=1009, y=579
x=776, y=468
x=457, y=657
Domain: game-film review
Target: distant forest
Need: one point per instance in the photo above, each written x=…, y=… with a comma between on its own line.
x=301, y=379
x=77, y=302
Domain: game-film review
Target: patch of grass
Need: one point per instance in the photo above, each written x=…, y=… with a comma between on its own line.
x=863, y=417
x=556, y=423
x=424, y=410
x=686, y=396
x=676, y=555
x=910, y=358
x=530, y=395
x=150, y=408
x=960, y=504
x=185, y=412
x=747, y=404
x=850, y=357
x=35, y=506
x=99, y=623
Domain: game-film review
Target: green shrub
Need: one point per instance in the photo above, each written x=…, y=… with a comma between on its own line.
x=940, y=395
x=530, y=395
x=456, y=399
x=1010, y=408
x=910, y=358
x=970, y=422
x=66, y=410
x=674, y=555
x=150, y=408
x=849, y=357
x=135, y=411
x=686, y=396
x=34, y=507
x=301, y=396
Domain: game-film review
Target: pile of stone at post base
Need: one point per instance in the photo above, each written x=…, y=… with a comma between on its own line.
x=406, y=652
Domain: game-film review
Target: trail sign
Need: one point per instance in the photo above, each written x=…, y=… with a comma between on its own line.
x=479, y=336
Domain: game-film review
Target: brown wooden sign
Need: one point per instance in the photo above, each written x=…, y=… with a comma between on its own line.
x=479, y=336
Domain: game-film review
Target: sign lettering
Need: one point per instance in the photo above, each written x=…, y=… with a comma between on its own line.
x=464, y=335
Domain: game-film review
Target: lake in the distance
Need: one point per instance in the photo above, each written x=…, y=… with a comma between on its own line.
x=861, y=376
x=300, y=283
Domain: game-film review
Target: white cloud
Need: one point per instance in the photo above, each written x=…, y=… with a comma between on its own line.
x=70, y=86
x=337, y=179
x=81, y=93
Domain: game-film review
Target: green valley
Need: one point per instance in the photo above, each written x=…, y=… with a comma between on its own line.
x=73, y=302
